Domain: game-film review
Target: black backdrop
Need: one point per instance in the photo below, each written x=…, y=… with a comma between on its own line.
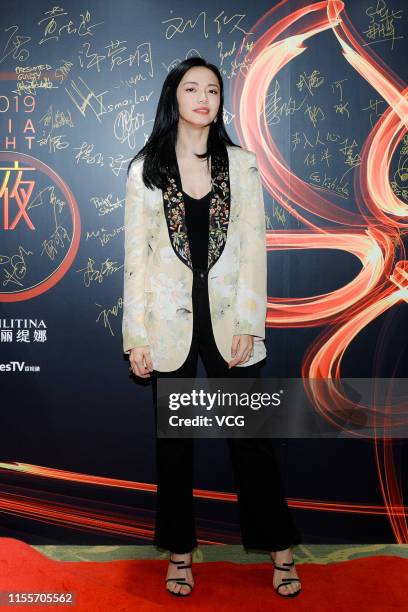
x=87, y=77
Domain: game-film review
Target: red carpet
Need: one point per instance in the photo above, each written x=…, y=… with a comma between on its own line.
x=376, y=583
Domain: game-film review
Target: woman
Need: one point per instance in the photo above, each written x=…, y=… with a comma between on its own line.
x=188, y=291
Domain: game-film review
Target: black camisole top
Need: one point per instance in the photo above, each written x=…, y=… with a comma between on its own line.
x=197, y=212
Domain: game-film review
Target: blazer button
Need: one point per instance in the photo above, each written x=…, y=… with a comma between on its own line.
x=202, y=274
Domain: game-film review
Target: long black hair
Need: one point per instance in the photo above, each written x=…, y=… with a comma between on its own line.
x=159, y=151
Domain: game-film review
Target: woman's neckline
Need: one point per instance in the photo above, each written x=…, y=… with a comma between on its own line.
x=197, y=199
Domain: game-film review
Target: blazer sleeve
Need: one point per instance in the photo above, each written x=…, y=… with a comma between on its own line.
x=136, y=247
x=251, y=298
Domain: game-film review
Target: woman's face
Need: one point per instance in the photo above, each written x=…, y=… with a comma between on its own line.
x=197, y=89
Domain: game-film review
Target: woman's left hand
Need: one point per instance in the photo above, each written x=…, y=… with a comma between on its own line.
x=242, y=349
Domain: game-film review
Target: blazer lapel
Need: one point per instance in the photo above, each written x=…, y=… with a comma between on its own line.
x=174, y=211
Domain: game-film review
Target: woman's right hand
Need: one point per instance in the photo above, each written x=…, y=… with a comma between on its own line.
x=140, y=361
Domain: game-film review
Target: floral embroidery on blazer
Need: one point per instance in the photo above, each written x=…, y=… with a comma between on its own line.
x=158, y=277
x=218, y=214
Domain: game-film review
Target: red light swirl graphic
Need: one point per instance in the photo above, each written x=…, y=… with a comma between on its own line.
x=373, y=235
x=37, y=503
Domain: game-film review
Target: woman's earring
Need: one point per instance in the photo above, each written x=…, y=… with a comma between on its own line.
x=215, y=120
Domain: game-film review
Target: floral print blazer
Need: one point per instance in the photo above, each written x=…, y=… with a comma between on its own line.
x=158, y=272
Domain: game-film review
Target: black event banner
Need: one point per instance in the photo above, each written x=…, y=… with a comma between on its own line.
x=318, y=92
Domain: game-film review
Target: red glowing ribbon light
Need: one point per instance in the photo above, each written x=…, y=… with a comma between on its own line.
x=372, y=234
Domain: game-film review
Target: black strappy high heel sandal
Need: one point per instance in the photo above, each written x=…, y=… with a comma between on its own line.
x=180, y=580
x=286, y=581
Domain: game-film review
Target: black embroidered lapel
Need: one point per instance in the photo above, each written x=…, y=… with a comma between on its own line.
x=174, y=210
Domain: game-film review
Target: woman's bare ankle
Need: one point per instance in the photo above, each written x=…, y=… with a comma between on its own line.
x=282, y=553
x=179, y=556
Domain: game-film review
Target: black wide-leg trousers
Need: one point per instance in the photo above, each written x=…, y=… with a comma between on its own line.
x=265, y=519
